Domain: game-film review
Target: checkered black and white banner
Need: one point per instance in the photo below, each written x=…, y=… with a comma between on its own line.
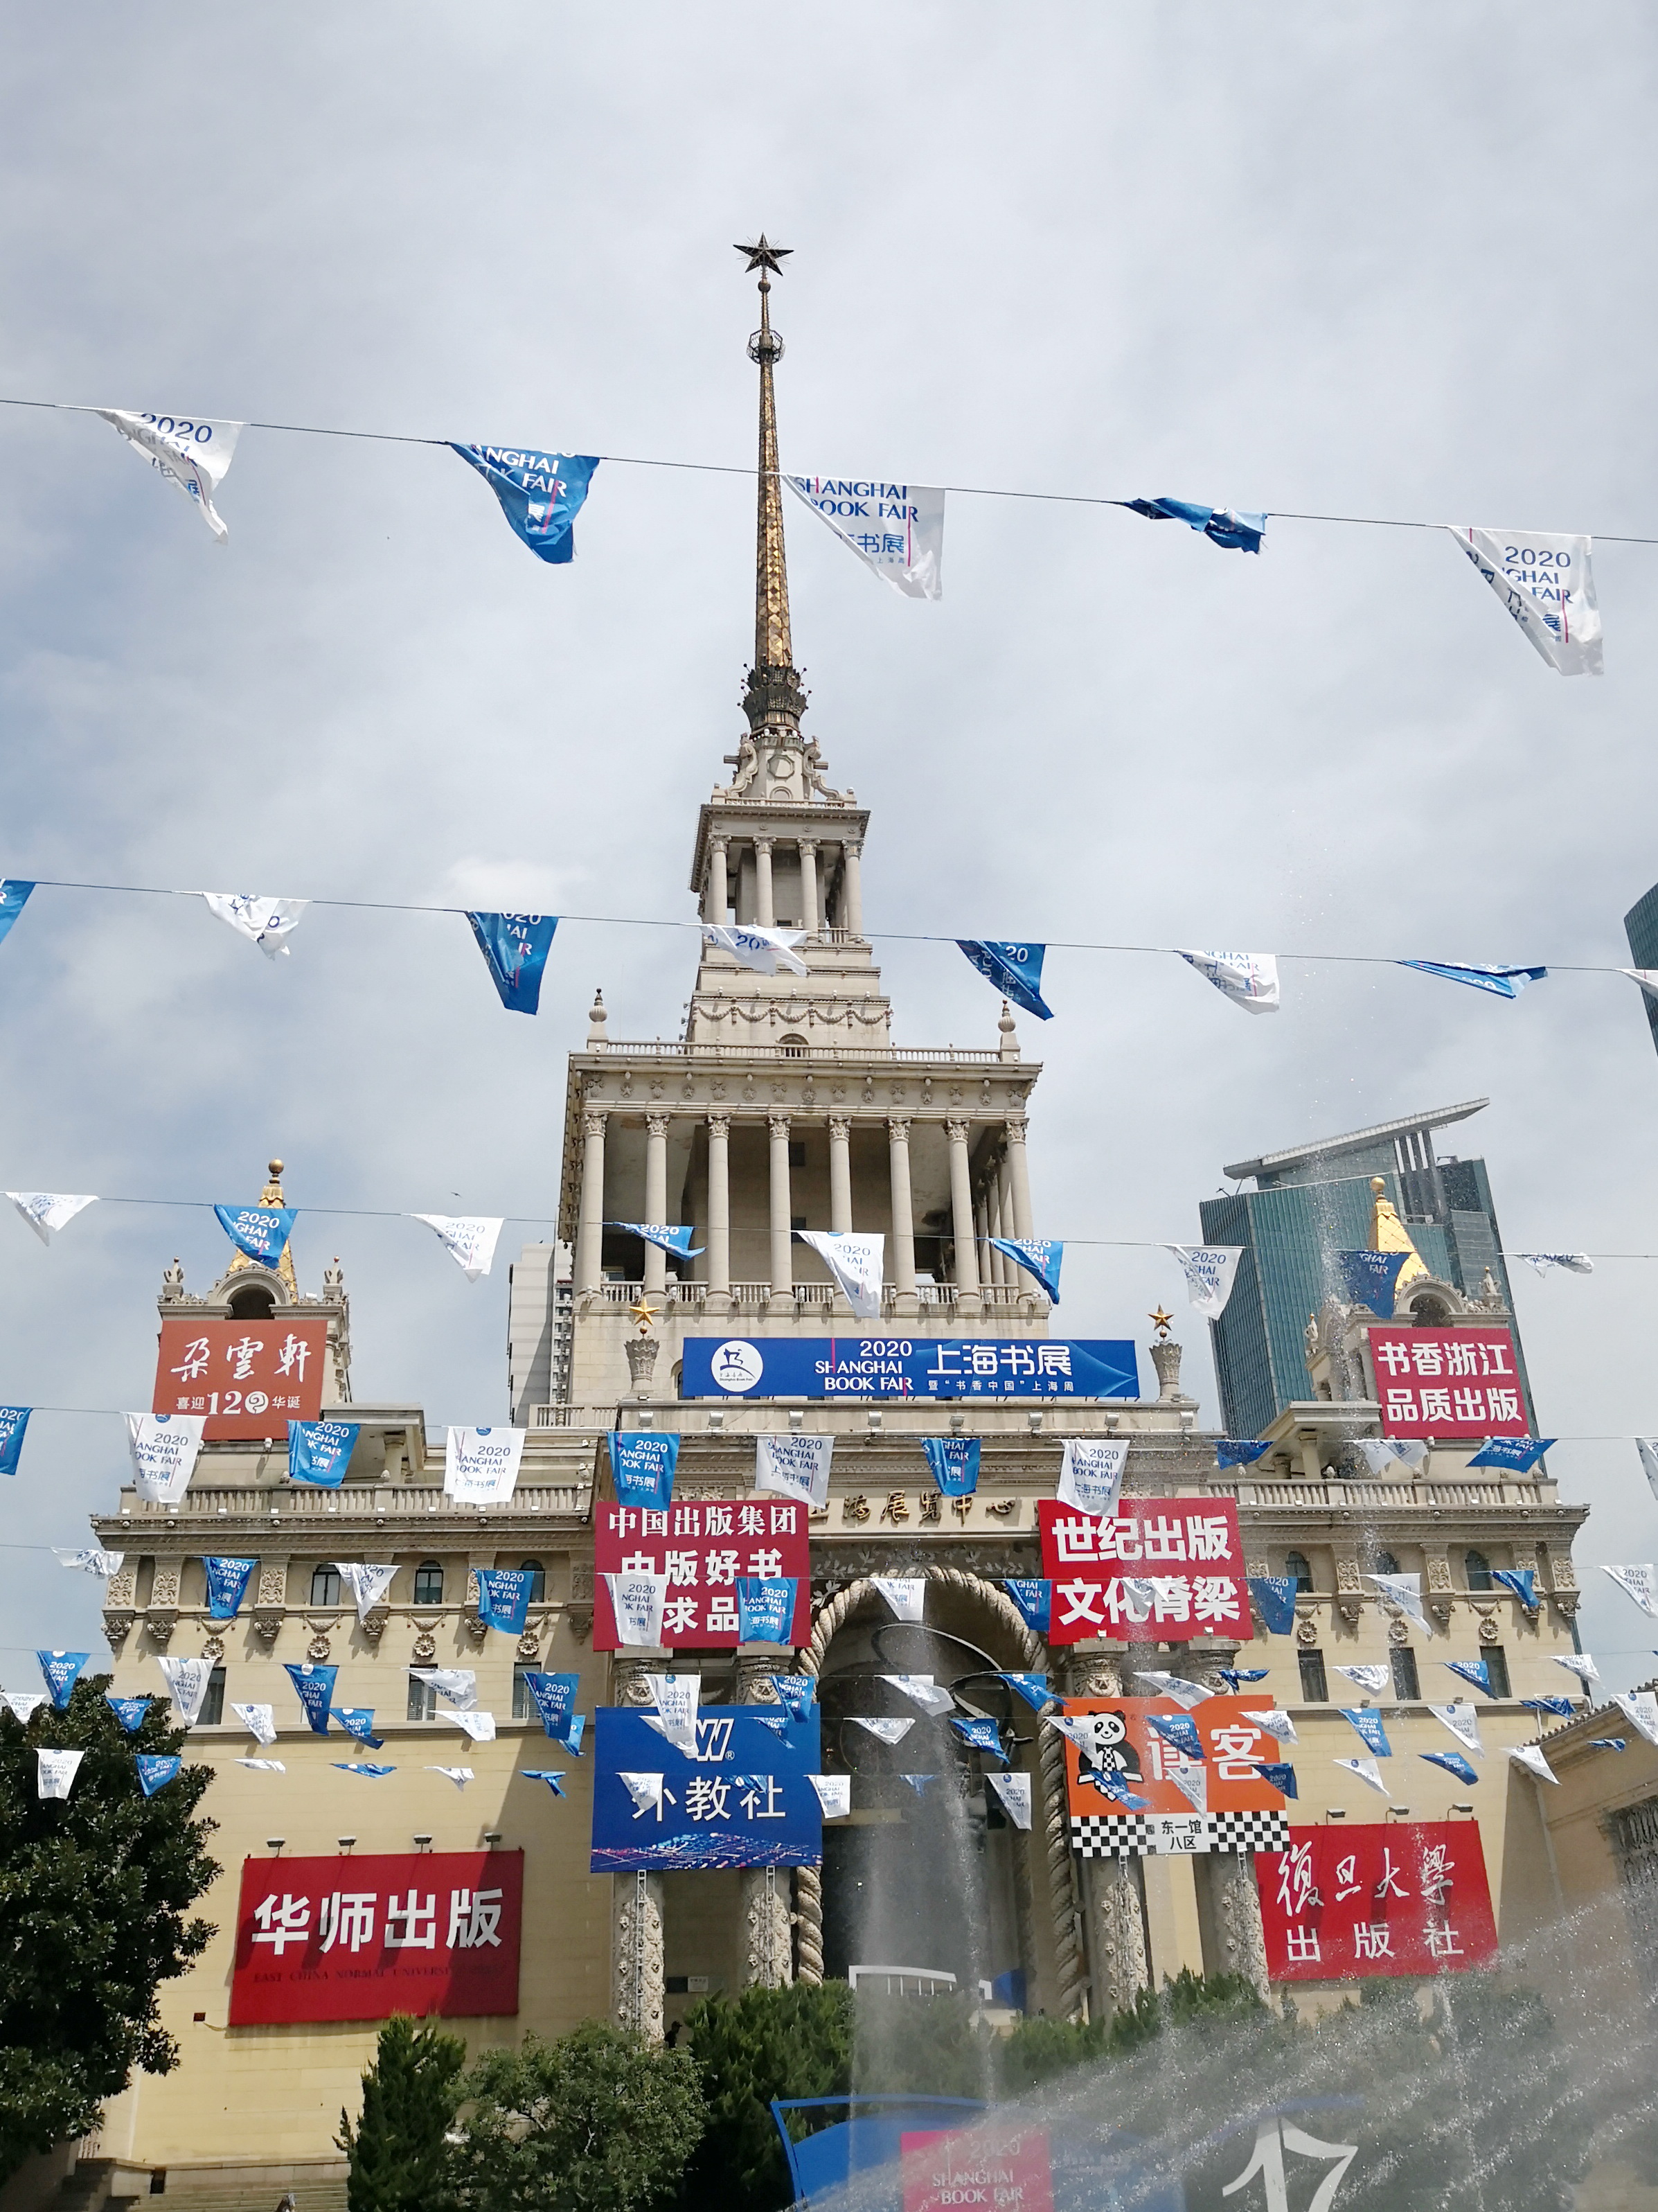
x=1132, y=1835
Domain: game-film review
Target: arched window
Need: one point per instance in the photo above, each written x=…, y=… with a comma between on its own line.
x=429, y=1583
x=1299, y=1571
x=537, y=1574
x=254, y=1302
x=1477, y=1568
x=1385, y=1563
x=791, y=1048
x=325, y=1586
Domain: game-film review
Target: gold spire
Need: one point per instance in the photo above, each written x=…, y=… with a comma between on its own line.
x=775, y=696
x=272, y=1195
x=1389, y=1234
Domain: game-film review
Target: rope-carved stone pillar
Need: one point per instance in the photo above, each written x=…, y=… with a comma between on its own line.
x=1234, y=1939
x=768, y=1949
x=1113, y=1888
x=638, y=1984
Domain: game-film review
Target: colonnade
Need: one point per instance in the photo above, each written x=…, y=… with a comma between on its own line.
x=758, y=907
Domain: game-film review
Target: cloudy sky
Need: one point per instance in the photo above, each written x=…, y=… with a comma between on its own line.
x=1388, y=260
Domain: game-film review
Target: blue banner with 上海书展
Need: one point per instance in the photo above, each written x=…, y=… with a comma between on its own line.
x=60, y=1669
x=314, y=1688
x=907, y=1367
x=259, y=1233
x=954, y=1461
x=14, y=897
x=318, y=1452
x=555, y=1697
x=504, y=1596
x=1371, y=1278
x=358, y=1721
x=226, y=1583
x=1015, y=970
x=1523, y=1581
x=981, y=1735
x=641, y=1466
x=1033, y=1598
x=744, y=1798
x=765, y=1608
x=156, y=1769
x=14, y=1422
x=541, y=494
x=130, y=1711
x=515, y=948
x=670, y=1236
x=1041, y=1256
x=1275, y=1601
x=1368, y=1724
x=796, y=1693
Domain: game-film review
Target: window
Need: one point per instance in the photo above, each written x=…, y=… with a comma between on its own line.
x=1314, y=1685
x=429, y=1583
x=537, y=1574
x=524, y=1705
x=793, y=1048
x=1385, y=1563
x=1477, y=1568
x=423, y=1700
x=253, y=1302
x=1297, y=1570
x=1496, y=1665
x=212, y=1711
x=325, y=1586
x=1406, y=1687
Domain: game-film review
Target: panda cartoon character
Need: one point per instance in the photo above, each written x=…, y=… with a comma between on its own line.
x=1109, y=1749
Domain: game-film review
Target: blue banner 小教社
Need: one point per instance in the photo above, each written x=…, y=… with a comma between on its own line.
x=907, y=1367
x=642, y=1463
x=541, y=494
x=744, y=1798
x=515, y=948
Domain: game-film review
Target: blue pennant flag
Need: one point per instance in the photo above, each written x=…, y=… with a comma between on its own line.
x=1371, y=1278
x=919, y=1783
x=1472, y=1670
x=226, y=1583
x=1179, y=1729
x=13, y=1419
x=1506, y=982
x=554, y=1698
x=1608, y=1743
x=981, y=1736
x=1453, y=1762
x=60, y=1669
x=14, y=897
x=1033, y=1688
x=359, y=1721
x=318, y=1451
x=315, y=1689
x=554, y=1782
x=258, y=1232
x=1035, y=1601
x=642, y=1465
x=1239, y=1451
x=1235, y=1677
x=572, y=1740
x=156, y=1770
x=1041, y=1256
x=541, y=494
x=515, y=946
x=1561, y=1708
x=1523, y=1581
x=504, y=1597
x=795, y=1693
x=672, y=1238
x=1275, y=1601
x=1239, y=532
x=1015, y=970
x=369, y=1773
x=1280, y=1774
x=765, y=1608
x=955, y=1463
x=776, y=1722
x=1521, y=1453
x=130, y=1711
x=1368, y=1724
x=1114, y=1784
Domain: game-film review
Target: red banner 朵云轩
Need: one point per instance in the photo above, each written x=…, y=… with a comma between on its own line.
x=249, y=1378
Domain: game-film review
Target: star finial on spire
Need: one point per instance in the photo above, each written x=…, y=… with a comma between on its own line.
x=763, y=255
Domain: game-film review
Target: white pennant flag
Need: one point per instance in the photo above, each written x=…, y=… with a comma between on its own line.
x=675, y=1697
x=1640, y=1709
x=367, y=1585
x=1210, y=1271
x=1090, y=1474
x=1648, y=1449
x=636, y=1600
x=1578, y=1663
x=24, y=1703
x=481, y=1726
x=264, y=1766
x=191, y=450
x=267, y=922
x=54, y=1771
x=1413, y=1453
x=1191, y=1777
x=457, y=1686
x=888, y=1731
x=1405, y=1591
x=1367, y=1771
x=1250, y=980
x=164, y=1447
x=905, y=1593
x=1276, y=1723
x=1095, y=1734
x=186, y=1682
x=794, y=1466
x=1014, y=1790
x=260, y=1721
x=855, y=1263
x=480, y=1465
x=1175, y=1687
x=897, y=529
x=1639, y=1582
x=92, y=1561
x=1547, y=584
x=645, y=1789
x=1373, y=1679
x=921, y=1690
x=1528, y=1756
x=834, y=1794
x=1463, y=1723
x=460, y=1775
x=469, y=1239
x=763, y=950
x=47, y=1211
x=1575, y=1263
x=1377, y=1454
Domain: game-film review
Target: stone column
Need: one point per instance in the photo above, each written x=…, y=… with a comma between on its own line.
x=1005, y=1210
x=852, y=889
x=1021, y=1178
x=809, y=917
x=768, y=1901
x=782, y=1266
x=638, y=1988
x=1229, y=1900
x=840, y=1135
x=718, y=893
x=590, y=1228
x=1114, y=1898
x=765, y=913
x=656, y=1200
x=719, y=1215
x=1001, y=1268
x=903, y=1218
x=961, y=1208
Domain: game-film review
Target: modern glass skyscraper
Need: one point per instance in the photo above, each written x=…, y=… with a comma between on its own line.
x=1641, y=927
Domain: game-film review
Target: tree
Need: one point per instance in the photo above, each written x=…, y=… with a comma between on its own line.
x=399, y=2157
x=599, y=2121
x=792, y=2042
x=93, y=1894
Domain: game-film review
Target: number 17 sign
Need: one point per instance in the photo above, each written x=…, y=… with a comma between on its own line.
x=247, y=1378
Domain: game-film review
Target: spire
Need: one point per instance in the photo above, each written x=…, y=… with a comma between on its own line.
x=271, y=1195
x=775, y=700
x=1389, y=1234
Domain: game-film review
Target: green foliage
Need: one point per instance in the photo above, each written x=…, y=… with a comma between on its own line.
x=93, y=1895
x=1039, y=2049
x=599, y=2120
x=792, y=2042
x=929, y=2045
x=399, y=2157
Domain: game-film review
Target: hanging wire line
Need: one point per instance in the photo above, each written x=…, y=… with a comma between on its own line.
x=737, y=469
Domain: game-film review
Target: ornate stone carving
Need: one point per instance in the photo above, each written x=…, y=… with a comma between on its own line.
x=117, y=1626
x=1117, y=1923
x=1397, y=1631
x=580, y=1619
x=581, y=1578
x=719, y=1125
x=1088, y=1674
x=268, y=1623
x=956, y=1132
x=637, y=1952
x=273, y=1582
x=840, y=1128
x=164, y=1589
x=1307, y=1630
x=475, y=1628
x=778, y=1124
x=529, y=1644
x=1016, y=1128
x=592, y=1124
x=1237, y=1903
x=1490, y=1632
x=122, y=1588
x=425, y=1645
x=318, y=1649
x=854, y=1509
x=213, y=1649
x=373, y=1626
x=656, y=1125
x=159, y=1626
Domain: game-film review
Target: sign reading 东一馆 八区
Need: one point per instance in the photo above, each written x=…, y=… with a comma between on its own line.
x=907, y=1367
x=363, y=1938
x=744, y=1798
x=1124, y=1788
x=1406, y=1897
x=704, y=1549
x=247, y=1378
x=1447, y=1382
x=1157, y=1571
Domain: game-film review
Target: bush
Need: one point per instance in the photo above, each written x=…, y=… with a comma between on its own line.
x=792, y=2042
x=399, y=2159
